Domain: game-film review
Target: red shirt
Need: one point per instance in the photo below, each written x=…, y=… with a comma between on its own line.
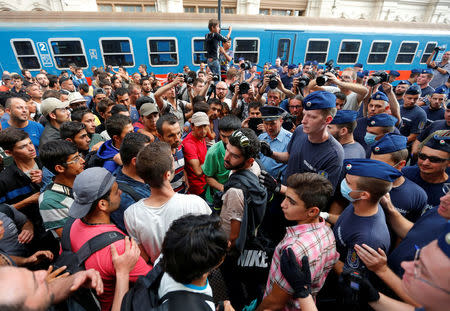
x=101, y=260
x=194, y=149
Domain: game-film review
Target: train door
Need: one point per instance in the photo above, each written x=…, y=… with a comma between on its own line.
x=283, y=46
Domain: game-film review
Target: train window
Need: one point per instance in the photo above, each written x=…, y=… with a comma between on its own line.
x=379, y=52
x=117, y=52
x=247, y=48
x=317, y=49
x=428, y=51
x=284, y=46
x=406, y=52
x=163, y=51
x=26, y=54
x=349, y=51
x=198, y=51
x=67, y=51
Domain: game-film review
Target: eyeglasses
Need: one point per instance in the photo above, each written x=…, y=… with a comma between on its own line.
x=243, y=140
x=417, y=273
x=432, y=159
x=76, y=159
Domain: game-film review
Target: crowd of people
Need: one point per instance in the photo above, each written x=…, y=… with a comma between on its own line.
x=298, y=187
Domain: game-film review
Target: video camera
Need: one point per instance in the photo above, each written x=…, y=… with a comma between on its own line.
x=439, y=48
x=329, y=67
x=378, y=77
x=247, y=65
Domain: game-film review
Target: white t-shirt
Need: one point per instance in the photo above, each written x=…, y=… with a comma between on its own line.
x=148, y=224
x=352, y=99
x=168, y=285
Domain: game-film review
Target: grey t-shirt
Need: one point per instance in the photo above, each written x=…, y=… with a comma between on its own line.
x=439, y=78
x=351, y=102
x=9, y=243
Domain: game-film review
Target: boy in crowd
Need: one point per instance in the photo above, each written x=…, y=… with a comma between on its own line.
x=75, y=132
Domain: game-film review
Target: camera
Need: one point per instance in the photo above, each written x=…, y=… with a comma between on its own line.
x=246, y=65
x=216, y=78
x=439, y=48
x=273, y=81
x=288, y=122
x=303, y=81
x=378, y=77
x=244, y=87
x=329, y=67
x=187, y=78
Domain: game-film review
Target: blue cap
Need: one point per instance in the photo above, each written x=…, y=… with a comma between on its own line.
x=360, y=74
x=358, y=65
x=382, y=119
x=241, y=58
x=366, y=72
x=440, y=90
x=441, y=143
x=427, y=71
x=380, y=96
x=371, y=168
x=320, y=67
x=394, y=73
x=314, y=63
x=271, y=113
x=389, y=143
x=416, y=71
x=404, y=82
x=413, y=90
x=444, y=240
x=319, y=100
x=344, y=116
x=307, y=63
x=292, y=66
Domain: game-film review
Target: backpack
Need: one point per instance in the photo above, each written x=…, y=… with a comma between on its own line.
x=129, y=190
x=93, y=160
x=144, y=296
x=82, y=299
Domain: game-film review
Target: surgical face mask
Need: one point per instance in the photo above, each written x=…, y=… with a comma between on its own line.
x=370, y=138
x=345, y=191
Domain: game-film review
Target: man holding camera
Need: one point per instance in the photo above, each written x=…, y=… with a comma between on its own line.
x=441, y=70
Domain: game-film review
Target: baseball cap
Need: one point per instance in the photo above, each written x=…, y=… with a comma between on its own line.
x=6, y=76
x=76, y=97
x=147, y=109
x=98, y=91
x=50, y=104
x=89, y=185
x=200, y=118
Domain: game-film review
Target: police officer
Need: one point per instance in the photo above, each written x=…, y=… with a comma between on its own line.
x=408, y=198
x=378, y=126
x=435, y=110
x=342, y=128
x=413, y=117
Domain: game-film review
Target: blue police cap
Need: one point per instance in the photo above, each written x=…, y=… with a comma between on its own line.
x=444, y=240
x=427, y=71
x=271, y=113
x=394, y=73
x=389, y=143
x=320, y=67
x=380, y=96
x=413, y=90
x=292, y=66
x=382, y=119
x=360, y=74
x=358, y=65
x=415, y=71
x=438, y=142
x=307, y=63
x=314, y=63
x=404, y=82
x=366, y=72
x=344, y=116
x=241, y=58
x=440, y=90
x=371, y=168
x=319, y=100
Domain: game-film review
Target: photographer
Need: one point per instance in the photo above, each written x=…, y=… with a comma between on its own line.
x=441, y=70
x=272, y=81
x=241, y=99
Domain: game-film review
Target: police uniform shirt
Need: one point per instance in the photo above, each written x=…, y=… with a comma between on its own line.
x=433, y=191
x=426, y=229
x=427, y=91
x=287, y=81
x=433, y=115
x=409, y=199
x=413, y=120
x=354, y=151
x=351, y=229
x=279, y=144
x=435, y=126
x=325, y=158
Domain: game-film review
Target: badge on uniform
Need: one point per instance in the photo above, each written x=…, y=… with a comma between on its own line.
x=308, y=104
x=348, y=167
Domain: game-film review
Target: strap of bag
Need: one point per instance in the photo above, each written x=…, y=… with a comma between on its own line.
x=183, y=293
x=65, y=238
x=129, y=190
x=97, y=243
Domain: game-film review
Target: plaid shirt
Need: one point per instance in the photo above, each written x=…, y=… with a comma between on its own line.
x=314, y=240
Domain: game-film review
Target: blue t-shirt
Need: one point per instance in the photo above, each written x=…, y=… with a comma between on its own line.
x=435, y=126
x=413, y=120
x=324, y=158
x=426, y=229
x=33, y=129
x=433, y=191
x=287, y=81
x=134, y=114
x=279, y=144
x=351, y=229
x=354, y=151
x=409, y=199
x=433, y=115
x=427, y=91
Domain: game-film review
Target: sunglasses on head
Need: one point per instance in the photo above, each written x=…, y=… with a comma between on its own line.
x=432, y=159
x=243, y=140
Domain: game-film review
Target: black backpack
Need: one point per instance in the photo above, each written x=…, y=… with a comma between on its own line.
x=144, y=296
x=93, y=160
x=82, y=299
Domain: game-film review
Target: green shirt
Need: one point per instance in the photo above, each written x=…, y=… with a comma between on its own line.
x=213, y=167
x=54, y=207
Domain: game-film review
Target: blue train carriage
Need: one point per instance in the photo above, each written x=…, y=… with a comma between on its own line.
x=166, y=42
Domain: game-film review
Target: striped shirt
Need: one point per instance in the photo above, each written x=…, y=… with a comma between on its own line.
x=177, y=182
x=314, y=240
x=54, y=204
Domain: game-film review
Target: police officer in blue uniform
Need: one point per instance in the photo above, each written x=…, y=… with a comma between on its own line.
x=413, y=117
x=378, y=126
x=363, y=221
x=434, y=108
x=408, y=198
x=342, y=127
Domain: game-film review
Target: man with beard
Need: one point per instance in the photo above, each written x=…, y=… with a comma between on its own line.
x=221, y=93
x=43, y=81
x=86, y=117
x=400, y=90
x=56, y=112
x=342, y=128
x=146, y=86
x=150, y=115
x=413, y=117
x=435, y=110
